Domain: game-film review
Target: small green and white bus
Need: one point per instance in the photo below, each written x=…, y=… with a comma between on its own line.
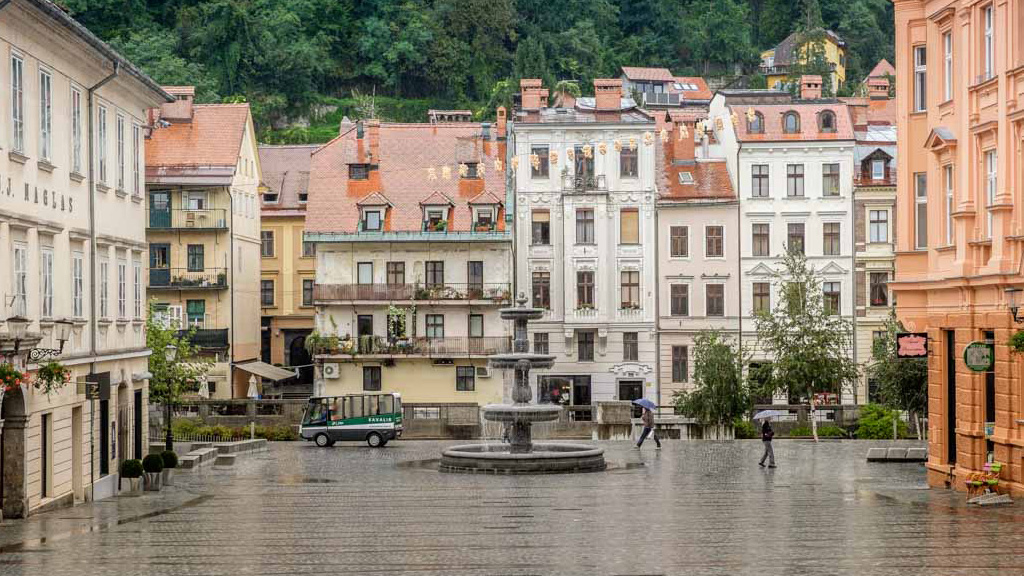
x=375, y=418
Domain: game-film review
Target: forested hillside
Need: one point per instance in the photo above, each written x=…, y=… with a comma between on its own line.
x=287, y=57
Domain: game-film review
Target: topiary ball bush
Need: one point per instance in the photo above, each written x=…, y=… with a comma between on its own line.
x=170, y=459
x=131, y=469
x=154, y=463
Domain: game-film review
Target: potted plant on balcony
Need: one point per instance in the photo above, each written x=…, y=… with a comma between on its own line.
x=585, y=307
x=1016, y=342
x=347, y=345
x=153, y=465
x=222, y=279
x=51, y=377
x=170, y=463
x=11, y=378
x=131, y=470
x=630, y=306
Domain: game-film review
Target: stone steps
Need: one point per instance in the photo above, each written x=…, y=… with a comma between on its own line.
x=897, y=454
x=197, y=458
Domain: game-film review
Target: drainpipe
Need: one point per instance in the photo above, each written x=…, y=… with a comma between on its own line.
x=853, y=262
x=92, y=272
x=657, y=302
x=231, y=312
x=739, y=231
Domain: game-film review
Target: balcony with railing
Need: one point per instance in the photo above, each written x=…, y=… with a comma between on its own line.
x=187, y=219
x=206, y=338
x=660, y=99
x=422, y=346
x=866, y=178
x=186, y=279
x=584, y=183
x=497, y=293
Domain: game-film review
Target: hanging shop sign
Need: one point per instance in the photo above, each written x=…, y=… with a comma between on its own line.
x=980, y=356
x=911, y=344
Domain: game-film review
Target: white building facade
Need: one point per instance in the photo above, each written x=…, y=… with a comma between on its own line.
x=72, y=250
x=585, y=194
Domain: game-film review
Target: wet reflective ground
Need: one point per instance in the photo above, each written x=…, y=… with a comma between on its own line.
x=692, y=508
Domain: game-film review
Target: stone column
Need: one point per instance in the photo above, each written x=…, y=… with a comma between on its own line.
x=15, y=478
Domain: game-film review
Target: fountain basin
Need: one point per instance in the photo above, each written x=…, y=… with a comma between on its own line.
x=521, y=412
x=512, y=361
x=546, y=458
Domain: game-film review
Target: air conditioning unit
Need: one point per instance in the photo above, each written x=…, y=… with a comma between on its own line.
x=483, y=371
x=331, y=371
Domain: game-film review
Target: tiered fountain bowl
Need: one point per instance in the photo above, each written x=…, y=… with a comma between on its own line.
x=521, y=455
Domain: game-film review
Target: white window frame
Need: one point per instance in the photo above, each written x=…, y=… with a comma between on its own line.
x=45, y=114
x=137, y=281
x=920, y=210
x=17, y=103
x=46, y=287
x=77, y=268
x=122, y=289
x=878, y=169
x=200, y=197
x=20, y=279
x=991, y=181
x=948, y=176
x=136, y=159
x=920, y=78
x=947, y=55
x=104, y=289
x=119, y=133
x=380, y=219
x=878, y=232
x=101, y=143
x=76, y=130
x=725, y=300
x=988, y=52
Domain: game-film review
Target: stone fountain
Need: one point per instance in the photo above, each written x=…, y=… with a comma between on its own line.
x=521, y=455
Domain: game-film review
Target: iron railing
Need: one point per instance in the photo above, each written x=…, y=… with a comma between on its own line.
x=172, y=219
x=176, y=278
x=207, y=337
x=495, y=292
x=457, y=346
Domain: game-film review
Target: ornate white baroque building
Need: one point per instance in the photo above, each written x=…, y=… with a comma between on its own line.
x=584, y=179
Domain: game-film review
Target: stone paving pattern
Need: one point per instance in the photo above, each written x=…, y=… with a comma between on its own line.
x=692, y=508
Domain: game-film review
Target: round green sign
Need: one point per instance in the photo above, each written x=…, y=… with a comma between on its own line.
x=980, y=356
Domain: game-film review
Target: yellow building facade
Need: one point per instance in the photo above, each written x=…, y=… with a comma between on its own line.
x=776, y=62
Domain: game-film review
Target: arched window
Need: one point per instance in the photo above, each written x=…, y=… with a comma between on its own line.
x=827, y=121
x=791, y=123
x=755, y=123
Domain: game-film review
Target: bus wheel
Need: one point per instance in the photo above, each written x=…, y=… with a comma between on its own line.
x=322, y=440
x=374, y=440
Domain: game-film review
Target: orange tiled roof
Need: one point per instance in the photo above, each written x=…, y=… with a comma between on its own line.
x=710, y=178
x=648, y=74
x=883, y=68
x=773, y=114
x=212, y=138
x=406, y=151
x=286, y=172
x=701, y=93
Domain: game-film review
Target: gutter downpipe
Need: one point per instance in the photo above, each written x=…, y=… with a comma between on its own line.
x=739, y=261
x=856, y=287
x=92, y=273
x=231, y=322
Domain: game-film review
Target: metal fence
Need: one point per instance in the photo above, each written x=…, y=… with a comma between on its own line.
x=495, y=292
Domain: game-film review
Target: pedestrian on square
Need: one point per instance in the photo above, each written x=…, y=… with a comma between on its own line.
x=648, y=420
x=766, y=438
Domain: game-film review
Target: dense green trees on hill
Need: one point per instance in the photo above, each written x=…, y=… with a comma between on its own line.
x=285, y=56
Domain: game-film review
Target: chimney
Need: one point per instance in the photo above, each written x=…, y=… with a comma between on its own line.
x=485, y=130
x=810, y=87
x=374, y=134
x=534, y=95
x=683, y=149
x=608, y=93
x=878, y=88
x=181, y=108
x=502, y=122
x=359, y=130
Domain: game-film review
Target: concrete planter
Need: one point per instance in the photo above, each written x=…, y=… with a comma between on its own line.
x=131, y=484
x=152, y=481
x=167, y=477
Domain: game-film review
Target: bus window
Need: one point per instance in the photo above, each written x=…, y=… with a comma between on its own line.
x=371, y=405
x=316, y=412
x=337, y=412
x=357, y=406
x=387, y=404
x=398, y=404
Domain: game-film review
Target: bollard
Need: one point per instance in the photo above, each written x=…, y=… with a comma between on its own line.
x=252, y=430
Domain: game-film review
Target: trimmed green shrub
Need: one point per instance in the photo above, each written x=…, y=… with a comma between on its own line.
x=876, y=423
x=744, y=429
x=831, y=431
x=153, y=463
x=801, y=431
x=131, y=469
x=170, y=459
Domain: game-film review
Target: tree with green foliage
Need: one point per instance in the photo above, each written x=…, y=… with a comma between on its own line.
x=171, y=379
x=720, y=395
x=719, y=32
x=808, y=343
x=902, y=382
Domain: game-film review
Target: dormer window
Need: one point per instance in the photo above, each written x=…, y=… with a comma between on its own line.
x=791, y=123
x=878, y=169
x=434, y=220
x=471, y=171
x=827, y=121
x=483, y=219
x=373, y=219
x=303, y=197
x=755, y=123
x=358, y=171
x=270, y=197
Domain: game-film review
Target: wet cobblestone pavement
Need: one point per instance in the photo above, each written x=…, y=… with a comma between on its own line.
x=692, y=508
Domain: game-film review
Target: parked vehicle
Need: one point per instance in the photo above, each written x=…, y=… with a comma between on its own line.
x=374, y=418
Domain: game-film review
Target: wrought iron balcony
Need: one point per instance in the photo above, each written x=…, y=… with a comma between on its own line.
x=207, y=338
x=181, y=218
x=441, y=347
x=185, y=279
x=495, y=292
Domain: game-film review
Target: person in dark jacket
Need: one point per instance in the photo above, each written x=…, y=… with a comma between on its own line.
x=648, y=420
x=766, y=438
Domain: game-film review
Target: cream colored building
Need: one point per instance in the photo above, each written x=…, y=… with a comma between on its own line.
x=72, y=248
x=203, y=225
x=288, y=264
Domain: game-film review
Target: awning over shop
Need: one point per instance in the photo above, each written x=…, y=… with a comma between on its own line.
x=266, y=371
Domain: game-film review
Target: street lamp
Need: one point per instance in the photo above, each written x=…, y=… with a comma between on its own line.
x=170, y=352
x=62, y=332
x=17, y=327
x=1013, y=303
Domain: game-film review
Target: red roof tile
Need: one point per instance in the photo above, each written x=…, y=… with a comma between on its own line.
x=212, y=138
x=773, y=114
x=648, y=74
x=710, y=178
x=883, y=68
x=701, y=93
x=406, y=152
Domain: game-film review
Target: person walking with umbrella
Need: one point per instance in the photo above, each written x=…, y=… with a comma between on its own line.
x=767, y=434
x=648, y=421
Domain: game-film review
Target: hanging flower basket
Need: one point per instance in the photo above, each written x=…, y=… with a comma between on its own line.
x=51, y=377
x=11, y=378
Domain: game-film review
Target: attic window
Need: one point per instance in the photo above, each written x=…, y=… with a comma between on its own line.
x=827, y=121
x=483, y=220
x=471, y=172
x=303, y=197
x=755, y=123
x=372, y=220
x=791, y=123
x=686, y=177
x=358, y=171
x=685, y=86
x=434, y=219
x=270, y=197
